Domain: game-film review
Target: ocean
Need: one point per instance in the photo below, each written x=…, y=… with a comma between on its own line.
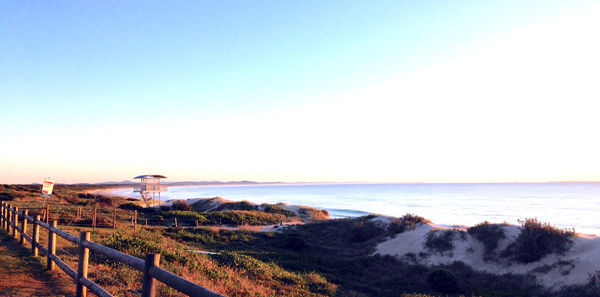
x=564, y=205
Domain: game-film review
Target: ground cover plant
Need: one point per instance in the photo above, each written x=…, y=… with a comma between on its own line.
x=407, y=222
x=489, y=235
x=537, y=240
x=440, y=240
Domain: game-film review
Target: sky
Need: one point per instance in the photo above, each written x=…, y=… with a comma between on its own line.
x=300, y=91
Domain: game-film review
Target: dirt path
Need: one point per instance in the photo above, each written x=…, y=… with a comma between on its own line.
x=24, y=275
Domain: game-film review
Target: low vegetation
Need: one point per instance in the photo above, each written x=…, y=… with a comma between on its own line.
x=407, y=222
x=302, y=213
x=537, y=240
x=443, y=281
x=242, y=217
x=488, y=234
x=440, y=241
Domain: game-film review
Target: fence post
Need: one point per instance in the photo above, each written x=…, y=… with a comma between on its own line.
x=114, y=218
x=175, y=222
x=8, y=219
x=36, y=236
x=82, y=266
x=15, y=222
x=5, y=214
x=51, y=246
x=23, y=227
x=94, y=216
x=2, y=214
x=148, y=282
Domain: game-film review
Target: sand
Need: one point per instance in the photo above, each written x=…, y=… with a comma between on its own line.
x=553, y=271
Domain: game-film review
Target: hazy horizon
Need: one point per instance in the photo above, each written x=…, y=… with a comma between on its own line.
x=252, y=182
x=398, y=92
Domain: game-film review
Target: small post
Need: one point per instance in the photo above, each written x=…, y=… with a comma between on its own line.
x=134, y=220
x=8, y=215
x=5, y=224
x=3, y=207
x=2, y=211
x=82, y=266
x=94, y=216
x=148, y=282
x=5, y=214
x=51, y=247
x=175, y=222
x=2, y=214
x=16, y=222
x=36, y=236
x=146, y=222
x=23, y=227
x=5, y=219
x=114, y=218
x=48, y=214
x=197, y=225
x=8, y=219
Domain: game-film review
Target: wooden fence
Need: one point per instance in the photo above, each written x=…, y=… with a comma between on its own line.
x=79, y=217
x=11, y=218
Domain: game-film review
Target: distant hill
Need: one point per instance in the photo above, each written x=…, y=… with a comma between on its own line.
x=188, y=183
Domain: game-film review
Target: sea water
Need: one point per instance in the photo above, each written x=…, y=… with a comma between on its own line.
x=565, y=205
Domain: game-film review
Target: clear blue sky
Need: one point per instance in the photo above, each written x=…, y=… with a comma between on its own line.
x=292, y=91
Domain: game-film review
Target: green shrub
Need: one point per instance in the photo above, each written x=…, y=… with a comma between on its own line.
x=131, y=206
x=294, y=241
x=241, y=205
x=274, y=208
x=591, y=289
x=181, y=205
x=185, y=216
x=364, y=230
x=139, y=247
x=537, y=240
x=443, y=281
x=157, y=219
x=242, y=217
x=104, y=201
x=313, y=214
x=6, y=197
x=489, y=235
x=407, y=222
x=440, y=240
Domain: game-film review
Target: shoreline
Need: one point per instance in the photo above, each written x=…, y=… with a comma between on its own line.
x=553, y=270
x=112, y=192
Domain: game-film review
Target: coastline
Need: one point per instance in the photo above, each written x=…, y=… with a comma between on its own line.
x=554, y=270
x=449, y=204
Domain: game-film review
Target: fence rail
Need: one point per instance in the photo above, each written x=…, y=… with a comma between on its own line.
x=11, y=218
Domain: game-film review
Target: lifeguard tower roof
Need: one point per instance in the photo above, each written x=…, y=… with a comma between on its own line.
x=150, y=175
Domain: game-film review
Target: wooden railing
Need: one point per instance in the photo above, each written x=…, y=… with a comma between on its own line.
x=11, y=218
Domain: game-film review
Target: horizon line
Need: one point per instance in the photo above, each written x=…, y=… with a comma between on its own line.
x=250, y=182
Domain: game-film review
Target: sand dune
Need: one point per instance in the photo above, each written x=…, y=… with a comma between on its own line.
x=552, y=271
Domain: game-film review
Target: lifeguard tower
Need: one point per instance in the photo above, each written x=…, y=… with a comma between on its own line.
x=149, y=185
